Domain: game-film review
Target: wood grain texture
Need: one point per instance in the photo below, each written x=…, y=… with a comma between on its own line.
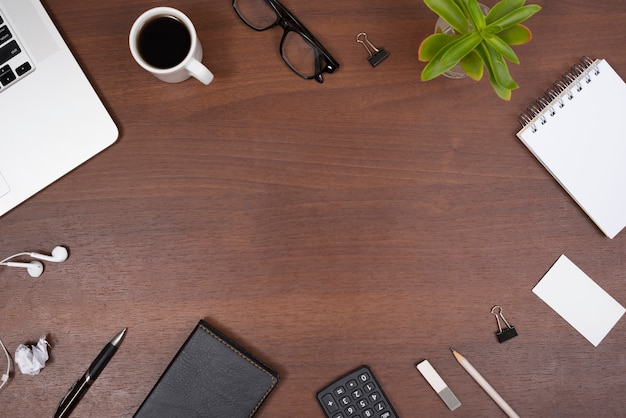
x=372, y=219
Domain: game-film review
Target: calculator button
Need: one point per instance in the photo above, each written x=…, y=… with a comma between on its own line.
x=374, y=396
x=340, y=391
x=351, y=410
x=362, y=403
x=339, y=415
x=364, y=377
x=345, y=401
x=369, y=387
x=357, y=394
x=329, y=403
x=368, y=413
x=352, y=384
x=386, y=415
x=380, y=406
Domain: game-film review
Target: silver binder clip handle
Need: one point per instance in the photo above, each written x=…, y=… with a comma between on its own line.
x=503, y=334
x=376, y=56
x=369, y=47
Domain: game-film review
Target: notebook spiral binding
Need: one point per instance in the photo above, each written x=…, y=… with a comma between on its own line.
x=554, y=97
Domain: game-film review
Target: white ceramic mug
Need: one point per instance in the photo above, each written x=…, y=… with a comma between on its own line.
x=186, y=56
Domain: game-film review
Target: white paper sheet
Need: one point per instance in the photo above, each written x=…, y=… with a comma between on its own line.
x=579, y=300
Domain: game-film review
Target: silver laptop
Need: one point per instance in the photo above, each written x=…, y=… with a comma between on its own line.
x=51, y=119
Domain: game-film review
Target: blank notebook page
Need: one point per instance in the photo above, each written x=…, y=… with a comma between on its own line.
x=583, y=144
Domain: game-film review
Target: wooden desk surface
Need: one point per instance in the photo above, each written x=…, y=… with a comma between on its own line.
x=372, y=219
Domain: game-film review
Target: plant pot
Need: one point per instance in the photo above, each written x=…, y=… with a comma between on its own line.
x=442, y=26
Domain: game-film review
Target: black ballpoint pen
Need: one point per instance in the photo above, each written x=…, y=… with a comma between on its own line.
x=80, y=387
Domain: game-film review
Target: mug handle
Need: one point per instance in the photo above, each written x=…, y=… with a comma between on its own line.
x=199, y=71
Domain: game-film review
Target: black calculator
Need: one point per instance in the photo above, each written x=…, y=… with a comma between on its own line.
x=356, y=395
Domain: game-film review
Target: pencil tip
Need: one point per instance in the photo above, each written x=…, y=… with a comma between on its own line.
x=452, y=349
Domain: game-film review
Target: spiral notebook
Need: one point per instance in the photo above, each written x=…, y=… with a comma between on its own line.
x=578, y=132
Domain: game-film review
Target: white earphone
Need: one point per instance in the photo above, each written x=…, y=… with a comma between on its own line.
x=5, y=376
x=35, y=268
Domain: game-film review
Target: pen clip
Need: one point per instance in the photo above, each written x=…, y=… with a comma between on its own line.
x=68, y=393
x=73, y=395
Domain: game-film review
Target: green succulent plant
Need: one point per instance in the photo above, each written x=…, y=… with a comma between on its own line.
x=479, y=42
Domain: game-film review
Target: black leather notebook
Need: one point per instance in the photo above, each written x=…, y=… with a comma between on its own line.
x=211, y=376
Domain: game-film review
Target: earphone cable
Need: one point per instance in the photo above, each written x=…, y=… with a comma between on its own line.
x=13, y=256
x=5, y=377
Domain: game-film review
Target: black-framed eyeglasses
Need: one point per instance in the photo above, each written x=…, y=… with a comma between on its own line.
x=304, y=54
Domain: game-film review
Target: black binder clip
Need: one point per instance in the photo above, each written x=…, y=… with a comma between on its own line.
x=503, y=334
x=376, y=56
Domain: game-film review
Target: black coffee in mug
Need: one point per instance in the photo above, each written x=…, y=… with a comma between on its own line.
x=164, y=42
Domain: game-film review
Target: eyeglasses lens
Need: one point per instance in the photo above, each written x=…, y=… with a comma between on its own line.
x=256, y=13
x=299, y=54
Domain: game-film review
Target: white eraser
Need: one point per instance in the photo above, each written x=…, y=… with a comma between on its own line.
x=437, y=383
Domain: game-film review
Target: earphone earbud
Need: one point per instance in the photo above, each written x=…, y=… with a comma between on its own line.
x=58, y=255
x=34, y=268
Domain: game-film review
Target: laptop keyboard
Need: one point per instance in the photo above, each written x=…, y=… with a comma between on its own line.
x=14, y=62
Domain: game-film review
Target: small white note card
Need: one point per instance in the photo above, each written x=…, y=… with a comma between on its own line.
x=579, y=300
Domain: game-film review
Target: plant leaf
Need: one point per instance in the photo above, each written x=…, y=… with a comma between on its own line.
x=516, y=35
x=449, y=11
x=473, y=65
x=503, y=8
x=460, y=48
x=502, y=92
x=512, y=18
x=502, y=47
x=498, y=66
x=433, y=44
x=472, y=8
x=450, y=55
x=434, y=68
